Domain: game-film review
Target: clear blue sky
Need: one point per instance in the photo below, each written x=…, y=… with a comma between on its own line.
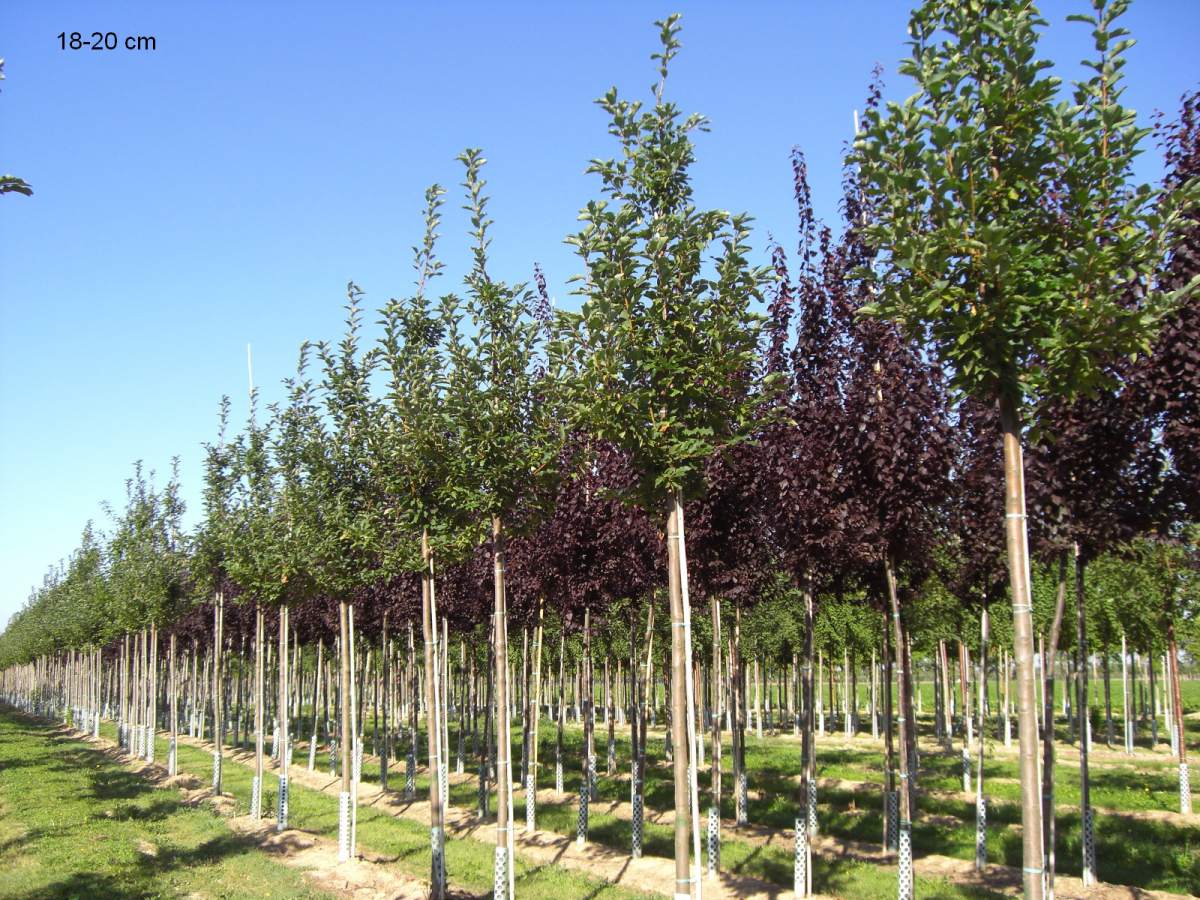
x=222, y=189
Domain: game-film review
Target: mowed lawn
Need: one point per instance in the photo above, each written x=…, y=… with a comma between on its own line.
x=74, y=823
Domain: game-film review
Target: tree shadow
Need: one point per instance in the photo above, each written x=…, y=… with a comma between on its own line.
x=79, y=885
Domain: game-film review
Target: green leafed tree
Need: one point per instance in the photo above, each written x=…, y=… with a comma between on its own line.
x=414, y=444
x=664, y=346
x=1012, y=237
x=502, y=414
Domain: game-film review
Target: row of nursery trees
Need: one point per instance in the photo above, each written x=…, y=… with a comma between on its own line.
x=981, y=392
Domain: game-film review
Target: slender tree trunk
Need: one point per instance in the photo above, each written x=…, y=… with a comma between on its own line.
x=1085, y=804
x=964, y=700
x=535, y=711
x=1109, y=731
x=260, y=711
x=505, y=864
x=354, y=705
x=1185, y=791
x=644, y=682
x=587, y=758
x=1048, y=657
x=316, y=705
x=524, y=705
x=715, y=681
x=172, y=762
x=237, y=716
x=692, y=699
x=487, y=769
x=980, y=799
x=1124, y=692
x=193, y=694
x=890, y=827
x=905, y=831
x=561, y=713
x=281, y=815
x=125, y=677
x=910, y=714
x=432, y=726
x=346, y=706
x=1018, y=566
x=1153, y=701
x=443, y=631
x=610, y=745
x=152, y=706
x=589, y=711
x=806, y=821
x=685, y=885
x=738, y=703
x=218, y=723
x=135, y=690
x=385, y=673
x=465, y=697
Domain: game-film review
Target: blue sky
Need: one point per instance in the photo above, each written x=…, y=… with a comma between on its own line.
x=222, y=189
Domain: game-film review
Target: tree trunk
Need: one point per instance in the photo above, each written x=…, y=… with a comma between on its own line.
x=524, y=704
x=1126, y=715
x=487, y=756
x=172, y=761
x=715, y=682
x=683, y=877
x=909, y=714
x=589, y=709
x=353, y=704
x=505, y=864
x=890, y=828
x=238, y=735
x=738, y=703
x=152, y=706
x=432, y=727
x=1106, y=671
x=535, y=712
x=281, y=814
x=905, y=831
x=1018, y=568
x=610, y=702
x=259, y=711
x=443, y=632
x=691, y=697
x=218, y=724
x=1085, y=804
x=1153, y=702
x=1185, y=792
x=561, y=713
x=346, y=706
x=316, y=704
x=980, y=799
x=1049, y=652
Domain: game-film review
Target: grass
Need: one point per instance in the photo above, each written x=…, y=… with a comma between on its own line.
x=1147, y=854
x=74, y=823
x=403, y=842
x=469, y=862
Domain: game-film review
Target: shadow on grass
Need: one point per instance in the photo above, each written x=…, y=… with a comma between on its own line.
x=85, y=884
